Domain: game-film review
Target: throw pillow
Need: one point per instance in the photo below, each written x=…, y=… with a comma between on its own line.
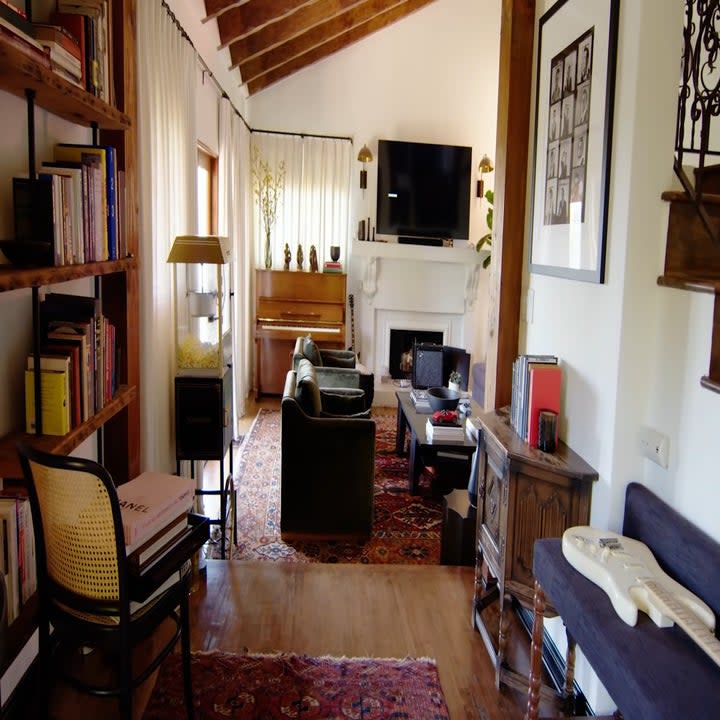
x=307, y=391
x=311, y=352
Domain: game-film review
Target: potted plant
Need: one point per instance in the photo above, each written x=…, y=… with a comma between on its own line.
x=268, y=186
x=454, y=380
x=487, y=238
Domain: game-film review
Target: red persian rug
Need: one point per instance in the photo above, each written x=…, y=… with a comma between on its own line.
x=406, y=528
x=285, y=686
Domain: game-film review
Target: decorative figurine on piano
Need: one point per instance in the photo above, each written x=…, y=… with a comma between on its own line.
x=313, y=259
x=288, y=256
x=299, y=257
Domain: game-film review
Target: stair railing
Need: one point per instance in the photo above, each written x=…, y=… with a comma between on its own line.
x=699, y=97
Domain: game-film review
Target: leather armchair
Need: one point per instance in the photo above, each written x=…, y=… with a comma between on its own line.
x=327, y=465
x=335, y=368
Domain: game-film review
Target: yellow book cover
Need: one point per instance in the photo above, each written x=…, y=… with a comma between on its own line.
x=55, y=404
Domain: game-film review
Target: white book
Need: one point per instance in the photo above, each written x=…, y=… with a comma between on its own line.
x=151, y=501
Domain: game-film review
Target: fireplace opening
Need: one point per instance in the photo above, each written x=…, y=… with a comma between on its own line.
x=401, y=349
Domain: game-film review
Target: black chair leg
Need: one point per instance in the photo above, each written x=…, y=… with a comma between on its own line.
x=185, y=650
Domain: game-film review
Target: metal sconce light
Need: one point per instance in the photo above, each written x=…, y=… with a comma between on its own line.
x=364, y=156
x=485, y=166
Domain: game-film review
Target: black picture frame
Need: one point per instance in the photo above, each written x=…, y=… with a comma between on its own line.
x=574, y=109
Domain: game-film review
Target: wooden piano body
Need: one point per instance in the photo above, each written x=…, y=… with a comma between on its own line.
x=288, y=304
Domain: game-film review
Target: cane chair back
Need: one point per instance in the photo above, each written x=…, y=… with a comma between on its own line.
x=83, y=575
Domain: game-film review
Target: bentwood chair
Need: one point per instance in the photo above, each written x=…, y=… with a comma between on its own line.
x=84, y=587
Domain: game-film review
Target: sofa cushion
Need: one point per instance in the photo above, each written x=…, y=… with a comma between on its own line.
x=311, y=352
x=307, y=390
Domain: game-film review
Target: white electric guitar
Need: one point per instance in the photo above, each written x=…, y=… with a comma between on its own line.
x=628, y=572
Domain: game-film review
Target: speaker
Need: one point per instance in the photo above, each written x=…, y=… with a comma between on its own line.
x=427, y=370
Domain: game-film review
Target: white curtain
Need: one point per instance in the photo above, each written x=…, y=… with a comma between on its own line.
x=315, y=206
x=167, y=194
x=234, y=212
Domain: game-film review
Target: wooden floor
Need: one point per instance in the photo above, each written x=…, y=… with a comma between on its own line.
x=359, y=611
x=343, y=610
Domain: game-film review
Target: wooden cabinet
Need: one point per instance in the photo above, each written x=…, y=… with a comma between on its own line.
x=523, y=494
x=116, y=282
x=289, y=304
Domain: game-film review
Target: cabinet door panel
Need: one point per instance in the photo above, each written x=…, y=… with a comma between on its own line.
x=491, y=516
x=542, y=509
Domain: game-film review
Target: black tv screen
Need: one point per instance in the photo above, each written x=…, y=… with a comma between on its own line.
x=423, y=189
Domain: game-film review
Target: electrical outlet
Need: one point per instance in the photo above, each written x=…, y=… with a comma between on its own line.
x=655, y=446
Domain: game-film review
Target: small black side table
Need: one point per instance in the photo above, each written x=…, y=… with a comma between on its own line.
x=457, y=541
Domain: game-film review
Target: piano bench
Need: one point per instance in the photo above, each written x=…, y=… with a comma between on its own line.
x=650, y=672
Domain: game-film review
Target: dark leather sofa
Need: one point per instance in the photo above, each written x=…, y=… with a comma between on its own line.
x=335, y=368
x=328, y=461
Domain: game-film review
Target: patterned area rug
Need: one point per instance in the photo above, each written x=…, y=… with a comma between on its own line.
x=295, y=686
x=406, y=528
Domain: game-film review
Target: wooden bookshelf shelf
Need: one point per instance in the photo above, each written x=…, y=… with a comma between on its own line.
x=19, y=72
x=9, y=463
x=13, y=278
x=19, y=632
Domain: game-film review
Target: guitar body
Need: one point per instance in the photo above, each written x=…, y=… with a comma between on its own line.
x=628, y=572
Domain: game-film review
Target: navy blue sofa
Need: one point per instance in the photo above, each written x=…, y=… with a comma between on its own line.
x=651, y=673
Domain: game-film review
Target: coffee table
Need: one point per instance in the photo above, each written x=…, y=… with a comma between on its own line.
x=422, y=451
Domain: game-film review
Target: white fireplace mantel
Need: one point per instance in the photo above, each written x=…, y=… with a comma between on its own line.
x=461, y=252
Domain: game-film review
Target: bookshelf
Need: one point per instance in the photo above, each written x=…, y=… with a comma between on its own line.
x=116, y=281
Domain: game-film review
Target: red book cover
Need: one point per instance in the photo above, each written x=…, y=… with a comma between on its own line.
x=543, y=394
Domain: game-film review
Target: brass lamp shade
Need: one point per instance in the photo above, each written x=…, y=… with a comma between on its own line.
x=213, y=249
x=364, y=156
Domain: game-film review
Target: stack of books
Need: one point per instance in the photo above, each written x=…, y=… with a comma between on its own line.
x=440, y=431
x=420, y=400
x=154, y=508
x=332, y=267
x=535, y=386
x=65, y=52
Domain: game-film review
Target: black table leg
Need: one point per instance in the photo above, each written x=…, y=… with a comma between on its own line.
x=400, y=431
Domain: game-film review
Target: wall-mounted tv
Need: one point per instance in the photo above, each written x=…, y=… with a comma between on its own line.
x=423, y=189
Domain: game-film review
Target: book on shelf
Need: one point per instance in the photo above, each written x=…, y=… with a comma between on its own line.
x=23, y=42
x=54, y=402
x=62, y=364
x=79, y=153
x=60, y=36
x=74, y=25
x=141, y=553
x=520, y=388
x=76, y=217
x=543, y=394
x=33, y=213
x=151, y=501
x=9, y=557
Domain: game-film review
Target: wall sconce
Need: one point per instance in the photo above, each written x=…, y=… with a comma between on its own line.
x=364, y=156
x=485, y=166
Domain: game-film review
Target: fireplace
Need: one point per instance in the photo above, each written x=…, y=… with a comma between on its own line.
x=401, y=349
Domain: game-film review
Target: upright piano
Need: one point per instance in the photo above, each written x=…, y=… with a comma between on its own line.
x=289, y=304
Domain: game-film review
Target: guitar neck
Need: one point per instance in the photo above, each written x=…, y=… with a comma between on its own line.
x=686, y=619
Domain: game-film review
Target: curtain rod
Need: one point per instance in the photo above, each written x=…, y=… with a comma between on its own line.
x=298, y=134
x=206, y=67
x=222, y=92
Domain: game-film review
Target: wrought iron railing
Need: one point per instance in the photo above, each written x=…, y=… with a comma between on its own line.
x=699, y=95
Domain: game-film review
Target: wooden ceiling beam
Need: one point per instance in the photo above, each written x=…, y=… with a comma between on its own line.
x=213, y=8
x=287, y=28
x=313, y=38
x=337, y=43
x=243, y=20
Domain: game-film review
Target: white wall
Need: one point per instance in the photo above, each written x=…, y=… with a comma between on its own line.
x=633, y=352
x=430, y=78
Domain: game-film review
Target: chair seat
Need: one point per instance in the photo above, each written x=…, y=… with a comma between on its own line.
x=650, y=672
